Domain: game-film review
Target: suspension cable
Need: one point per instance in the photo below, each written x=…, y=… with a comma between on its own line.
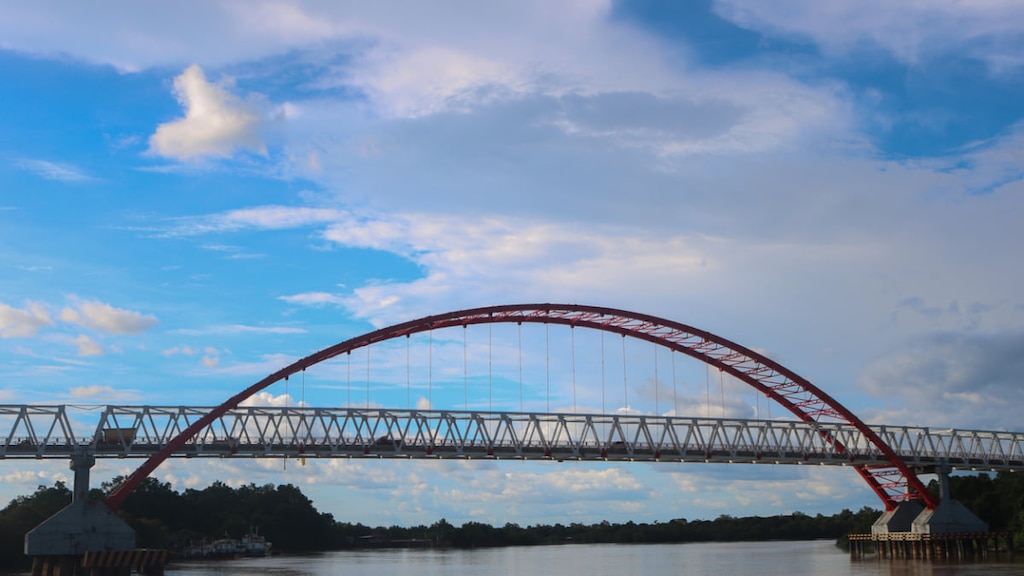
x=603, y=409
x=430, y=370
x=408, y=378
x=520, y=366
x=284, y=461
x=572, y=334
x=367, y=377
x=465, y=370
x=657, y=408
x=490, y=367
x=348, y=378
x=721, y=384
x=547, y=367
x=707, y=390
x=625, y=388
x=675, y=389
x=757, y=404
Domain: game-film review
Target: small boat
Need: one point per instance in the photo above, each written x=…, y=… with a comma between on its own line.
x=253, y=545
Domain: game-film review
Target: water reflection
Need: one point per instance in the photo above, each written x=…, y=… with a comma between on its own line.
x=819, y=558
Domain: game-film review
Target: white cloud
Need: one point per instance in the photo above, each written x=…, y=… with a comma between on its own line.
x=27, y=481
x=967, y=379
x=104, y=317
x=23, y=322
x=239, y=329
x=216, y=122
x=186, y=350
x=60, y=172
x=269, y=364
x=268, y=399
x=133, y=37
x=87, y=346
x=313, y=299
x=909, y=30
x=420, y=60
x=433, y=79
x=464, y=259
x=100, y=393
x=260, y=218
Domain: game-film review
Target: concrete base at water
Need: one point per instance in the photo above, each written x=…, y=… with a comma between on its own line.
x=949, y=517
x=911, y=517
x=901, y=519
x=81, y=527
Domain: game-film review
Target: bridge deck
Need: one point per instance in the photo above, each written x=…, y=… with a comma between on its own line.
x=41, y=432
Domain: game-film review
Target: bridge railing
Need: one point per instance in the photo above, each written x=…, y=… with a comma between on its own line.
x=140, y=431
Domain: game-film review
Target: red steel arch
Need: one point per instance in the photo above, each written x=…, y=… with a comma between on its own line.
x=893, y=484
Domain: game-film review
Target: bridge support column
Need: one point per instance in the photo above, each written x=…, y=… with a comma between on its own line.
x=83, y=526
x=949, y=530
x=900, y=519
x=950, y=515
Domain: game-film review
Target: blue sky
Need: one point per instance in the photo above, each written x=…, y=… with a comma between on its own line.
x=192, y=196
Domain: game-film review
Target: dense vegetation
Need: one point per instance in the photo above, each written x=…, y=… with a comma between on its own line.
x=165, y=518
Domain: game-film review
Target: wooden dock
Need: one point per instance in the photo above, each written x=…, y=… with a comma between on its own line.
x=951, y=545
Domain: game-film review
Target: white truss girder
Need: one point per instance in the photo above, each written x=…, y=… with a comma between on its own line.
x=140, y=431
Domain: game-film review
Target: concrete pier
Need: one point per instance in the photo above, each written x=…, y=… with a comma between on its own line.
x=87, y=538
x=949, y=530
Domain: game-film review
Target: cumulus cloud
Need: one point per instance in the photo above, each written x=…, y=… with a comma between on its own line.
x=216, y=122
x=104, y=317
x=28, y=480
x=271, y=400
x=87, y=346
x=23, y=322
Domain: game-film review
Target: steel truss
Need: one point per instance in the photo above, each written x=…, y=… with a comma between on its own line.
x=140, y=431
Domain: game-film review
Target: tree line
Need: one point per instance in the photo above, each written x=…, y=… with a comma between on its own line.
x=165, y=518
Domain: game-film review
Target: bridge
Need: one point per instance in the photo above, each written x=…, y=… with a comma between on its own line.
x=48, y=432
x=818, y=430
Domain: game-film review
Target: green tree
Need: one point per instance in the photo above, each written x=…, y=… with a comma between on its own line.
x=22, y=515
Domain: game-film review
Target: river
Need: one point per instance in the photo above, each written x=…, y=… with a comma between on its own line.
x=817, y=558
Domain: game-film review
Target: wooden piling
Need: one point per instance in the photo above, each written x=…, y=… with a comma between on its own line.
x=961, y=546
